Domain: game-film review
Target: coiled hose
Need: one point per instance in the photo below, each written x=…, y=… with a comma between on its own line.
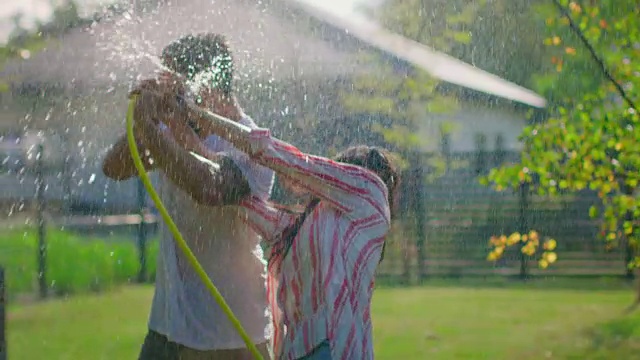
x=191, y=258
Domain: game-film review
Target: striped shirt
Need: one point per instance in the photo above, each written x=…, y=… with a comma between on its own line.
x=322, y=288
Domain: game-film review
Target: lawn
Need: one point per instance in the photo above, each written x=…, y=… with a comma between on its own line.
x=438, y=321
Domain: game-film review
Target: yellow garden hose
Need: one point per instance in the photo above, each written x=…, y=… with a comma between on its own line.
x=137, y=160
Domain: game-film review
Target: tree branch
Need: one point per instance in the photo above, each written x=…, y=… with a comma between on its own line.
x=594, y=55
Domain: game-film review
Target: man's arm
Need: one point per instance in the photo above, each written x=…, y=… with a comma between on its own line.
x=210, y=179
x=118, y=164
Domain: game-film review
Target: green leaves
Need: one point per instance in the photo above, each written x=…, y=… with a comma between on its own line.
x=591, y=140
x=407, y=100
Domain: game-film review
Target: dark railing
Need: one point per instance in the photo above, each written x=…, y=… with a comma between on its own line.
x=3, y=316
x=460, y=215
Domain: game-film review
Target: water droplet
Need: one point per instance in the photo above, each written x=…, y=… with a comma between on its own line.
x=92, y=178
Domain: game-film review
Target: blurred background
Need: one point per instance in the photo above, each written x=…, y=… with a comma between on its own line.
x=515, y=120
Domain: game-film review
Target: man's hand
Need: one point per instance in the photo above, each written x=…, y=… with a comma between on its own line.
x=153, y=108
x=167, y=87
x=165, y=83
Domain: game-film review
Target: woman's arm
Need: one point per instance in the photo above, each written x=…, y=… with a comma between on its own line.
x=351, y=189
x=266, y=220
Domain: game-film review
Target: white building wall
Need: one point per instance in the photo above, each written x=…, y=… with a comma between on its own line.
x=469, y=121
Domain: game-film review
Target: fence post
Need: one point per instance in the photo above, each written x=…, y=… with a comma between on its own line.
x=481, y=164
x=629, y=251
x=142, y=232
x=420, y=214
x=40, y=208
x=500, y=153
x=3, y=316
x=523, y=223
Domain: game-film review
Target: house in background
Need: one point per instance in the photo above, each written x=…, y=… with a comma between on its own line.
x=292, y=61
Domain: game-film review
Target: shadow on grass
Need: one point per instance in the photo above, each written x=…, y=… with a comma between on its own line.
x=574, y=283
x=619, y=338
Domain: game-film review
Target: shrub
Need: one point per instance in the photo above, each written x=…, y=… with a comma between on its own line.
x=75, y=263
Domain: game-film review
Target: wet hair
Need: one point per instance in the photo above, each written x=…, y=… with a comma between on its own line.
x=378, y=160
x=204, y=59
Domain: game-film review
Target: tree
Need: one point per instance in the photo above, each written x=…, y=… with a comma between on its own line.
x=23, y=43
x=591, y=139
x=400, y=97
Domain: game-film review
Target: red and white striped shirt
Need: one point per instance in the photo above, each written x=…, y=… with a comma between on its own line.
x=322, y=289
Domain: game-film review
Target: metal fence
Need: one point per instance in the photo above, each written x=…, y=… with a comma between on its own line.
x=446, y=223
x=3, y=317
x=449, y=234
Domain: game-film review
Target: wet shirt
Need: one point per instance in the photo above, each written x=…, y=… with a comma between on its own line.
x=322, y=288
x=227, y=248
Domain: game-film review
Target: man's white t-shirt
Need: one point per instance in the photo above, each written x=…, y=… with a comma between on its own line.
x=182, y=308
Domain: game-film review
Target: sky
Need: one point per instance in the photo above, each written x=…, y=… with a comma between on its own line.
x=41, y=10
x=343, y=12
x=37, y=10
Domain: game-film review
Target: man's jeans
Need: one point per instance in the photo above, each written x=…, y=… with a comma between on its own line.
x=157, y=347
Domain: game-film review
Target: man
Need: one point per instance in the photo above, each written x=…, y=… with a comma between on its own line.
x=185, y=322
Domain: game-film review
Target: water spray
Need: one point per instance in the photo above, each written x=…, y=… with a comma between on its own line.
x=177, y=236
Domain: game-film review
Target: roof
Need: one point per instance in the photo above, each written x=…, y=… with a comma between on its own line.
x=271, y=39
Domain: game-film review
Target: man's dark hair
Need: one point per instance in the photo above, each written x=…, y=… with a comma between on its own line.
x=202, y=57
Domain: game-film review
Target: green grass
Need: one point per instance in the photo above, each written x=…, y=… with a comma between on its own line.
x=517, y=321
x=75, y=263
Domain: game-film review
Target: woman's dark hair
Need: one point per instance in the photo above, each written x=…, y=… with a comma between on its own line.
x=378, y=160
x=381, y=162
x=202, y=57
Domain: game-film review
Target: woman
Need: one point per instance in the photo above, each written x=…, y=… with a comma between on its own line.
x=321, y=262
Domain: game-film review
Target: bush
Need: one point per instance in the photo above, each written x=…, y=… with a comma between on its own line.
x=74, y=263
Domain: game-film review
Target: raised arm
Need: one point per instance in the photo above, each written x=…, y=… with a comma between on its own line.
x=266, y=220
x=118, y=164
x=349, y=188
x=210, y=179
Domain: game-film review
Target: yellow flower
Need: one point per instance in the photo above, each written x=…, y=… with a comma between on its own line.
x=503, y=240
x=514, y=238
x=575, y=7
x=499, y=250
x=550, y=257
x=533, y=234
x=493, y=241
x=543, y=264
x=511, y=240
x=528, y=250
x=492, y=256
x=550, y=244
x=525, y=238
